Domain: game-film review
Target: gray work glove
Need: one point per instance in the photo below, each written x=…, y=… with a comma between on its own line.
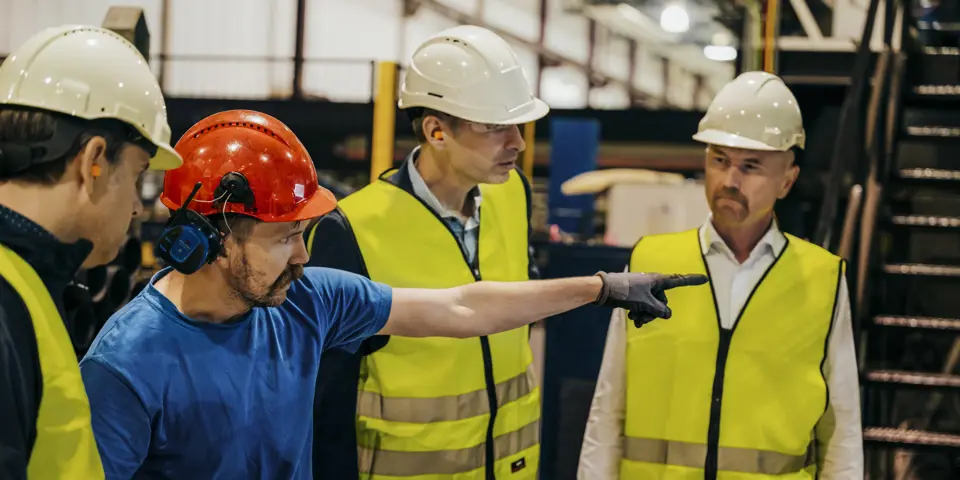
x=642, y=294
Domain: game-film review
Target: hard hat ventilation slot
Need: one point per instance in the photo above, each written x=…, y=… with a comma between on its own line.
x=457, y=40
x=254, y=126
x=434, y=94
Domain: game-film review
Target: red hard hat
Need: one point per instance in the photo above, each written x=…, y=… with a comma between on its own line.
x=277, y=167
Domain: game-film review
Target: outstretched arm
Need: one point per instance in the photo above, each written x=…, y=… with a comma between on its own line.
x=485, y=308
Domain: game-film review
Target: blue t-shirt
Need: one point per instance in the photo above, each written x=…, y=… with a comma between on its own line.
x=175, y=398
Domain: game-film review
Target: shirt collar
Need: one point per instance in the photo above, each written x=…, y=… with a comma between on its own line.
x=421, y=190
x=55, y=262
x=772, y=242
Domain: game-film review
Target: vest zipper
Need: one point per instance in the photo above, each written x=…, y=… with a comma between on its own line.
x=716, y=399
x=710, y=465
x=484, y=341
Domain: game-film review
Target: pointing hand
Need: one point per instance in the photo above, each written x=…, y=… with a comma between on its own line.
x=643, y=294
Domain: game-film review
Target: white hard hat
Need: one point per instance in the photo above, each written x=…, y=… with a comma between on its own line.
x=90, y=73
x=471, y=73
x=755, y=111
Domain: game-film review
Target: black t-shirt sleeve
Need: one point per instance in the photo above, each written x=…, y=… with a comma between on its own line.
x=20, y=385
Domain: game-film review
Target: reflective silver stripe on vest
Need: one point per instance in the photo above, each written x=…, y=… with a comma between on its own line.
x=730, y=459
x=443, y=409
x=446, y=462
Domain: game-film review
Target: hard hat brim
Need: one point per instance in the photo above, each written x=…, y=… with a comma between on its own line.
x=540, y=110
x=724, y=139
x=322, y=203
x=166, y=158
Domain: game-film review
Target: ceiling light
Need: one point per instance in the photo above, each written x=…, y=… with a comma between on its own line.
x=720, y=53
x=674, y=19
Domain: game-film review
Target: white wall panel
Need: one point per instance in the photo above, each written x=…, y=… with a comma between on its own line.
x=610, y=97
x=563, y=87
x=681, y=91
x=612, y=55
x=218, y=53
x=221, y=47
x=519, y=17
x=649, y=74
x=20, y=19
x=566, y=32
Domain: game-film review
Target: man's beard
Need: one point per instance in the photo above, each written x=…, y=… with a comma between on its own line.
x=274, y=295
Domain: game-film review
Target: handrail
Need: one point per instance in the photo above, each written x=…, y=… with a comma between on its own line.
x=849, y=118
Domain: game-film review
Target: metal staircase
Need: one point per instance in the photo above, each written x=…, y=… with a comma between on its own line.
x=908, y=282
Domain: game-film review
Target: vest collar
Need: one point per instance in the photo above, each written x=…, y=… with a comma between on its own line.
x=773, y=242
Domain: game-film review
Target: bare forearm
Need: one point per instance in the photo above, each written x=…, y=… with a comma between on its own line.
x=485, y=308
x=492, y=307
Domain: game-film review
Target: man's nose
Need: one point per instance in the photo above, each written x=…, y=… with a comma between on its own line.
x=733, y=177
x=300, y=254
x=137, y=206
x=516, y=142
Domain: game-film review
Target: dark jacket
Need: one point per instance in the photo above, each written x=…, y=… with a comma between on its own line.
x=21, y=382
x=335, y=404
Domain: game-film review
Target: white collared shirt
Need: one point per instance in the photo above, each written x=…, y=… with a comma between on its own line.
x=839, y=437
x=466, y=231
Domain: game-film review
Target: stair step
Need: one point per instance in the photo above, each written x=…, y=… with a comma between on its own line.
x=896, y=377
x=920, y=269
x=930, y=174
x=933, y=131
x=938, y=26
x=937, y=90
x=942, y=51
x=925, y=221
x=921, y=323
x=909, y=438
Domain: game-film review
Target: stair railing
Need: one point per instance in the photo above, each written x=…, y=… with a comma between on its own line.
x=851, y=117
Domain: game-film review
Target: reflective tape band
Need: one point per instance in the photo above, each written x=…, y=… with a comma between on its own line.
x=730, y=459
x=446, y=462
x=443, y=409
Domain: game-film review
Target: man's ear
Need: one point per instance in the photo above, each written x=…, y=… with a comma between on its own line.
x=92, y=160
x=791, y=178
x=433, y=131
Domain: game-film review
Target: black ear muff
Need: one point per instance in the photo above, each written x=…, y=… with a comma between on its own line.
x=189, y=240
x=235, y=185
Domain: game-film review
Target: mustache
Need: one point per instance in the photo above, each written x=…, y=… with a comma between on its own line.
x=291, y=274
x=731, y=194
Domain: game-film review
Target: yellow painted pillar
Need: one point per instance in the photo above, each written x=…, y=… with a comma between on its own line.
x=771, y=32
x=384, y=120
x=529, y=131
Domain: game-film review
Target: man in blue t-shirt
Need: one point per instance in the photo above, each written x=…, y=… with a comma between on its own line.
x=209, y=373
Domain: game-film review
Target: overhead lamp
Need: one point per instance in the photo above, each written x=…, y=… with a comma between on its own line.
x=675, y=19
x=720, y=53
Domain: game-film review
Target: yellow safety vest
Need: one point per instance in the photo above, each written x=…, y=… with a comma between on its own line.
x=740, y=404
x=64, y=447
x=424, y=403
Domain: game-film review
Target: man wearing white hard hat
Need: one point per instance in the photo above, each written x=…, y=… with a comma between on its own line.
x=755, y=375
x=439, y=408
x=81, y=118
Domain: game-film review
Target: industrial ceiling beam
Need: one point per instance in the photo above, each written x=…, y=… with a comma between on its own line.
x=548, y=54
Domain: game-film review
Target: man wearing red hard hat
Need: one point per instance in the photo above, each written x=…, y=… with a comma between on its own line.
x=210, y=371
